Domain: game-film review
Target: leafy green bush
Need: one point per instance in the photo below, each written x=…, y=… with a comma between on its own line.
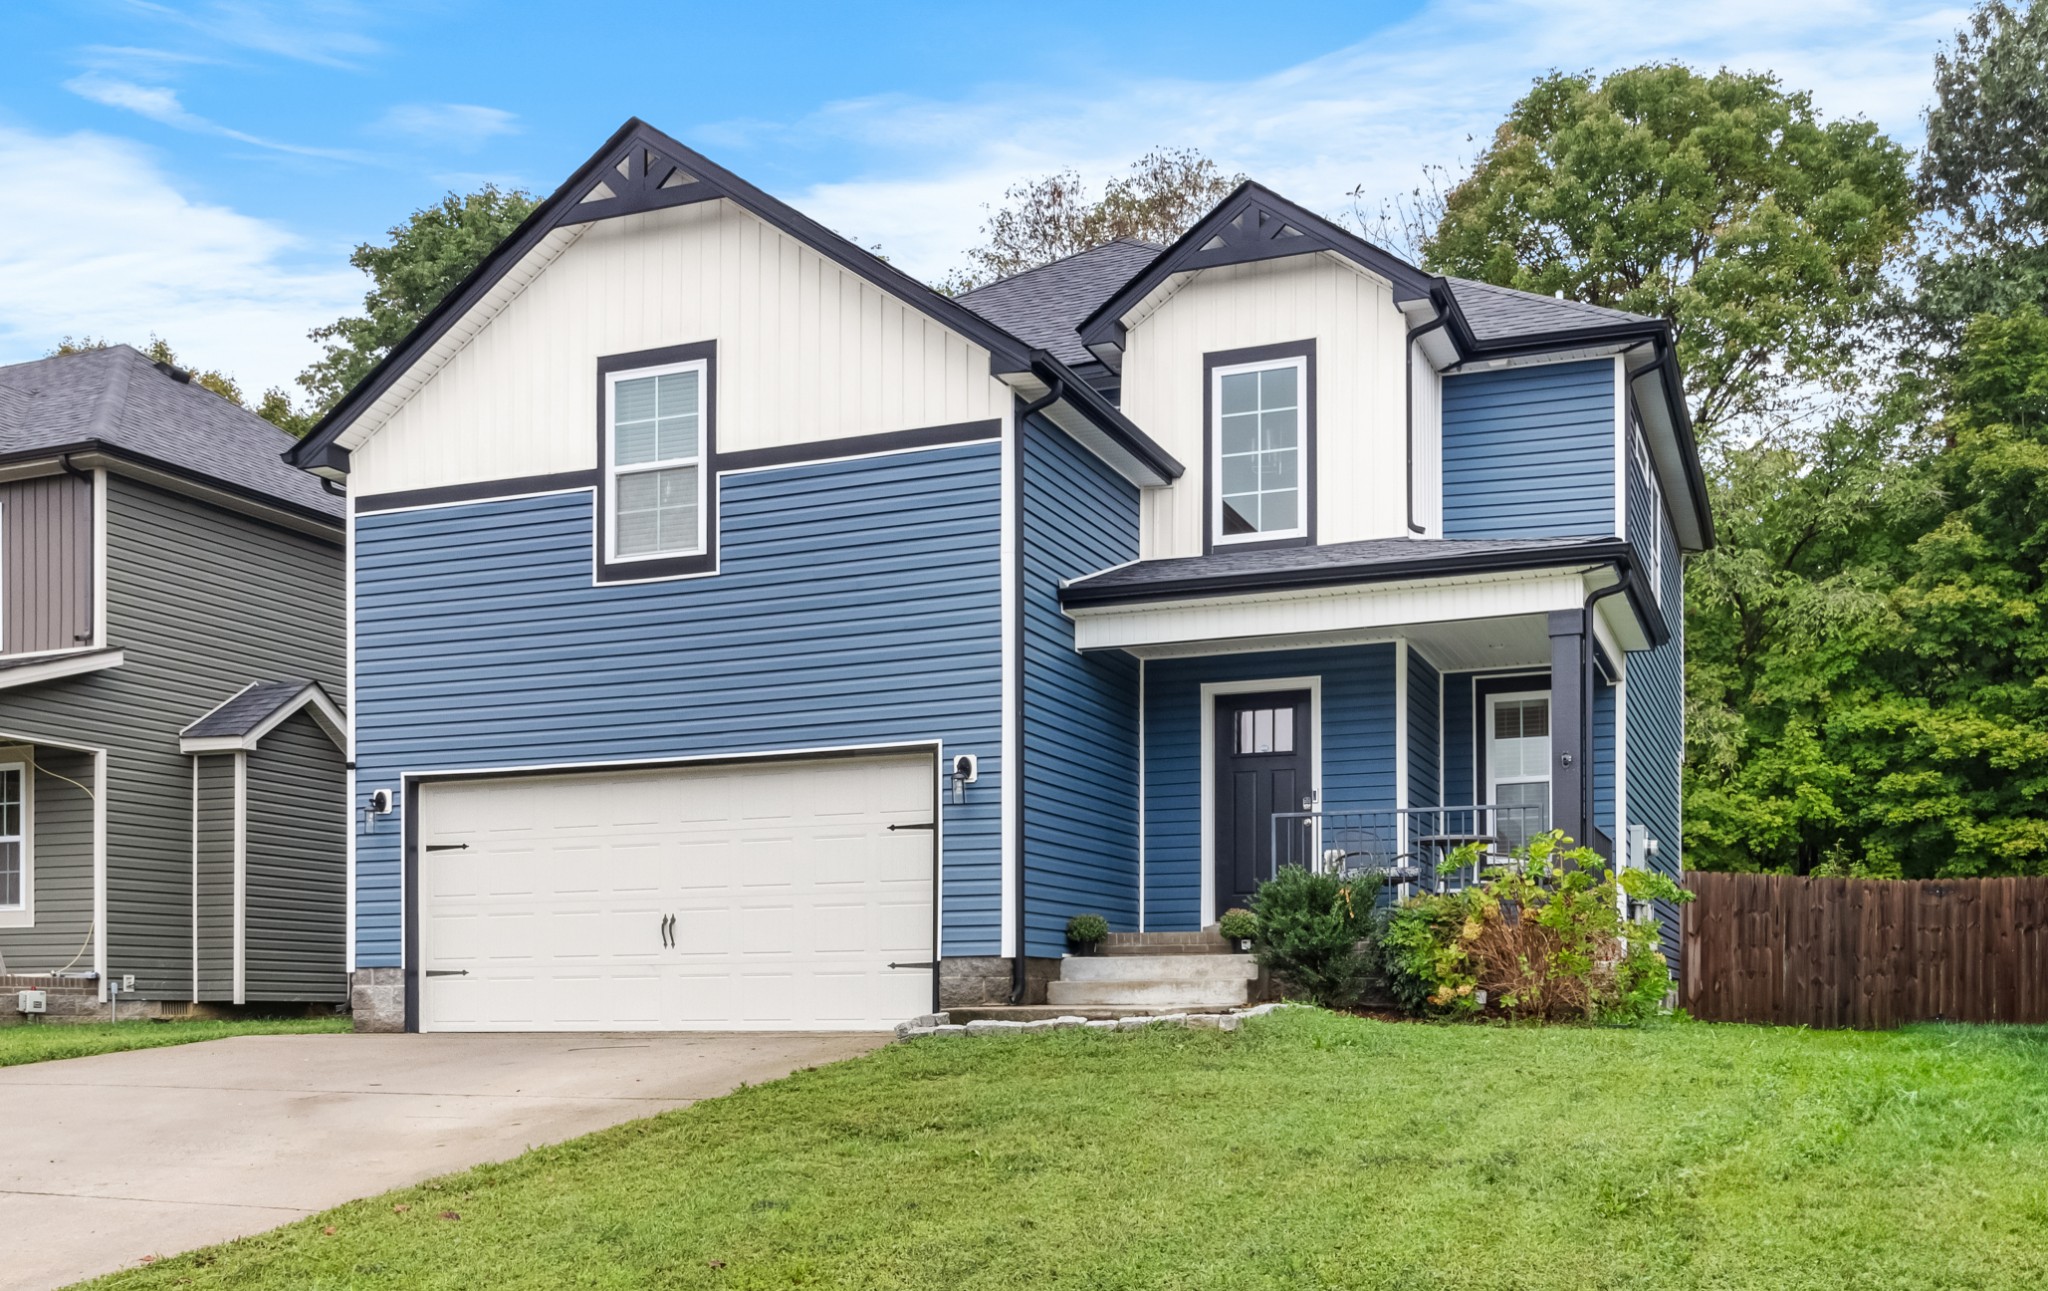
x=1238, y=925
x=1087, y=929
x=1543, y=939
x=1309, y=929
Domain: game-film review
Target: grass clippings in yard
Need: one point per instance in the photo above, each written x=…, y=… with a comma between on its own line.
x=48, y=1041
x=1309, y=1150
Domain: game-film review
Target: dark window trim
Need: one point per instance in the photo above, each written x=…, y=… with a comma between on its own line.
x=1304, y=350
x=640, y=571
x=1485, y=685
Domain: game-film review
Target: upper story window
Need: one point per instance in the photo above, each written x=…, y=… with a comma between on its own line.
x=1639, y=451
x=1259, y=468
x=658, y=460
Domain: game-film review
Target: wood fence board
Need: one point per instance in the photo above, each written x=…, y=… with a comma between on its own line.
x=1864, y=953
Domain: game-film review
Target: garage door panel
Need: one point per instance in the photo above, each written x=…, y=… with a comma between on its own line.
x=789, y=894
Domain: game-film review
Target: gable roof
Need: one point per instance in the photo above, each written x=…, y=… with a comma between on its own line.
x=1043, y=307
x=119, y=402
x=638, y=169
x=245, y=717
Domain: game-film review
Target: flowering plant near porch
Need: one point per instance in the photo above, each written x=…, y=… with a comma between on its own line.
x=1541, y=939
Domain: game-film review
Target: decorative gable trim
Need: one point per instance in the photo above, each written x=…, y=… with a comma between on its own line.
x=638, y=169
x=1253, y=223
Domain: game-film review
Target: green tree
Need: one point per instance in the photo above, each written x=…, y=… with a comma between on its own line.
x=424, y=259
x=1040, y=221
x=275, y=407
x=1722, y=203
x=1984, y=173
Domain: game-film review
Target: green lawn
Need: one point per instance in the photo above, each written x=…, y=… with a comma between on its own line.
x=1308, y=1150
x=43, y=1041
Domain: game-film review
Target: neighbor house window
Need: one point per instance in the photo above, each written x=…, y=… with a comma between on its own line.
x=654, y=461
x=13, y=837
x=1518, y=765
x=1259, y=469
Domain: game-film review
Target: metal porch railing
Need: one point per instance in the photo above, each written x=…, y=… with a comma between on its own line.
x=1409, y=846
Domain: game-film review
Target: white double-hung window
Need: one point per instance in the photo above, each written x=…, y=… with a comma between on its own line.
x=13, y=837
x=1258, y=468
x=654, y=460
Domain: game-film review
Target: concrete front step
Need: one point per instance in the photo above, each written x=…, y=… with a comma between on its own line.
x=1158, y=995
x=1158, y=968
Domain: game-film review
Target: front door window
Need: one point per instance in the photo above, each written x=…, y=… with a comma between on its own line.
x=1518, y=765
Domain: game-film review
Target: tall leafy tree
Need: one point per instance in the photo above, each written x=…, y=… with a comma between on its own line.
x=1723, y=203
x=1044, y=219
x=1984, y=174
x=423, y=260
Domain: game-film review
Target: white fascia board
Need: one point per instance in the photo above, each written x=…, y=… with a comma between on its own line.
x=324, y=712
x=60, y=666
x=1084, y=432
x=1339, y=610
x=465, y=329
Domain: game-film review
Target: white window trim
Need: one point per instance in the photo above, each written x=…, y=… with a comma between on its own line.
x=1494, y=779
x=23, y=915
x=613, y=471
x=1299, y=362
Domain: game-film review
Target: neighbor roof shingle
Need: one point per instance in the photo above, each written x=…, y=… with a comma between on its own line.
x=117, y=397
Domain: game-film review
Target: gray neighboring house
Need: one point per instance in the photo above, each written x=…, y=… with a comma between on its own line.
x=173, y=801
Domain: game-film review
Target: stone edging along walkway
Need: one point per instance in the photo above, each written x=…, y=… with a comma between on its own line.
x=939, y=1024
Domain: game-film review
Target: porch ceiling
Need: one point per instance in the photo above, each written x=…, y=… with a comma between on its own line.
x=1474, y=622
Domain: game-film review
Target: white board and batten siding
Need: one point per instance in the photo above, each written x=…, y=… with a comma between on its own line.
x=769, y=896
x=807, y=351
x=1361, y=412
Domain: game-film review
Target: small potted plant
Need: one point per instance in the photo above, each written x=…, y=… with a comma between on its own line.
x=1238, y=927
x=1087, y=932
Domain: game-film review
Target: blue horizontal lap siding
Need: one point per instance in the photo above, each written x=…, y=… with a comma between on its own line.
x=1460, y=757
x=1424, y=788
x=1358, y=755
x=1655, y=722
x=1529, y=452
x=1603, y=759
x=857, y=603
x=1080, y=712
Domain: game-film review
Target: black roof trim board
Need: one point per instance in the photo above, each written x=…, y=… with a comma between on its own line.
x=1348, y=564
x=1105, y=416
x=1252, y=223
x=638, y=169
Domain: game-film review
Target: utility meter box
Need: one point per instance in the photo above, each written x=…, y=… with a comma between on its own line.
x=32, y=1001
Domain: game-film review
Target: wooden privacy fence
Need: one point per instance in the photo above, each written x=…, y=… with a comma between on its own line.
x=1865, y=953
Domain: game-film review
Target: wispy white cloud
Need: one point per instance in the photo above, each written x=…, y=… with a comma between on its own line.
x=329, y=33
x=456, y=125
x=160, y=104
x=100, y=242
x=1370, y=116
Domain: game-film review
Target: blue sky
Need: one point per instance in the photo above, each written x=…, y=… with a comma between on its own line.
x=201, y=170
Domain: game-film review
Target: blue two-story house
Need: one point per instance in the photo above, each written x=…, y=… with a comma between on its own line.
x=745, y=636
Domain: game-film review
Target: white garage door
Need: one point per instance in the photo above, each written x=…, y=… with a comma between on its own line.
x=761, y=897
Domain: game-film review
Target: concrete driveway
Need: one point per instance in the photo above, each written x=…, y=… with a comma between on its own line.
x=109, y=1159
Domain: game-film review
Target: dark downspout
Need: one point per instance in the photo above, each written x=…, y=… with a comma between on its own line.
x=1408, y=378
x=1626, y=576
x=1020, y=982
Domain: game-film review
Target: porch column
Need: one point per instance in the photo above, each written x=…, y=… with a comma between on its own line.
x=1568, y=723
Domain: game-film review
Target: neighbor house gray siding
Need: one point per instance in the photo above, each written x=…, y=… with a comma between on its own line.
x=45, y=564
x=202, y=601
x=63, y=869
x=298, y=818
x=213, y=866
